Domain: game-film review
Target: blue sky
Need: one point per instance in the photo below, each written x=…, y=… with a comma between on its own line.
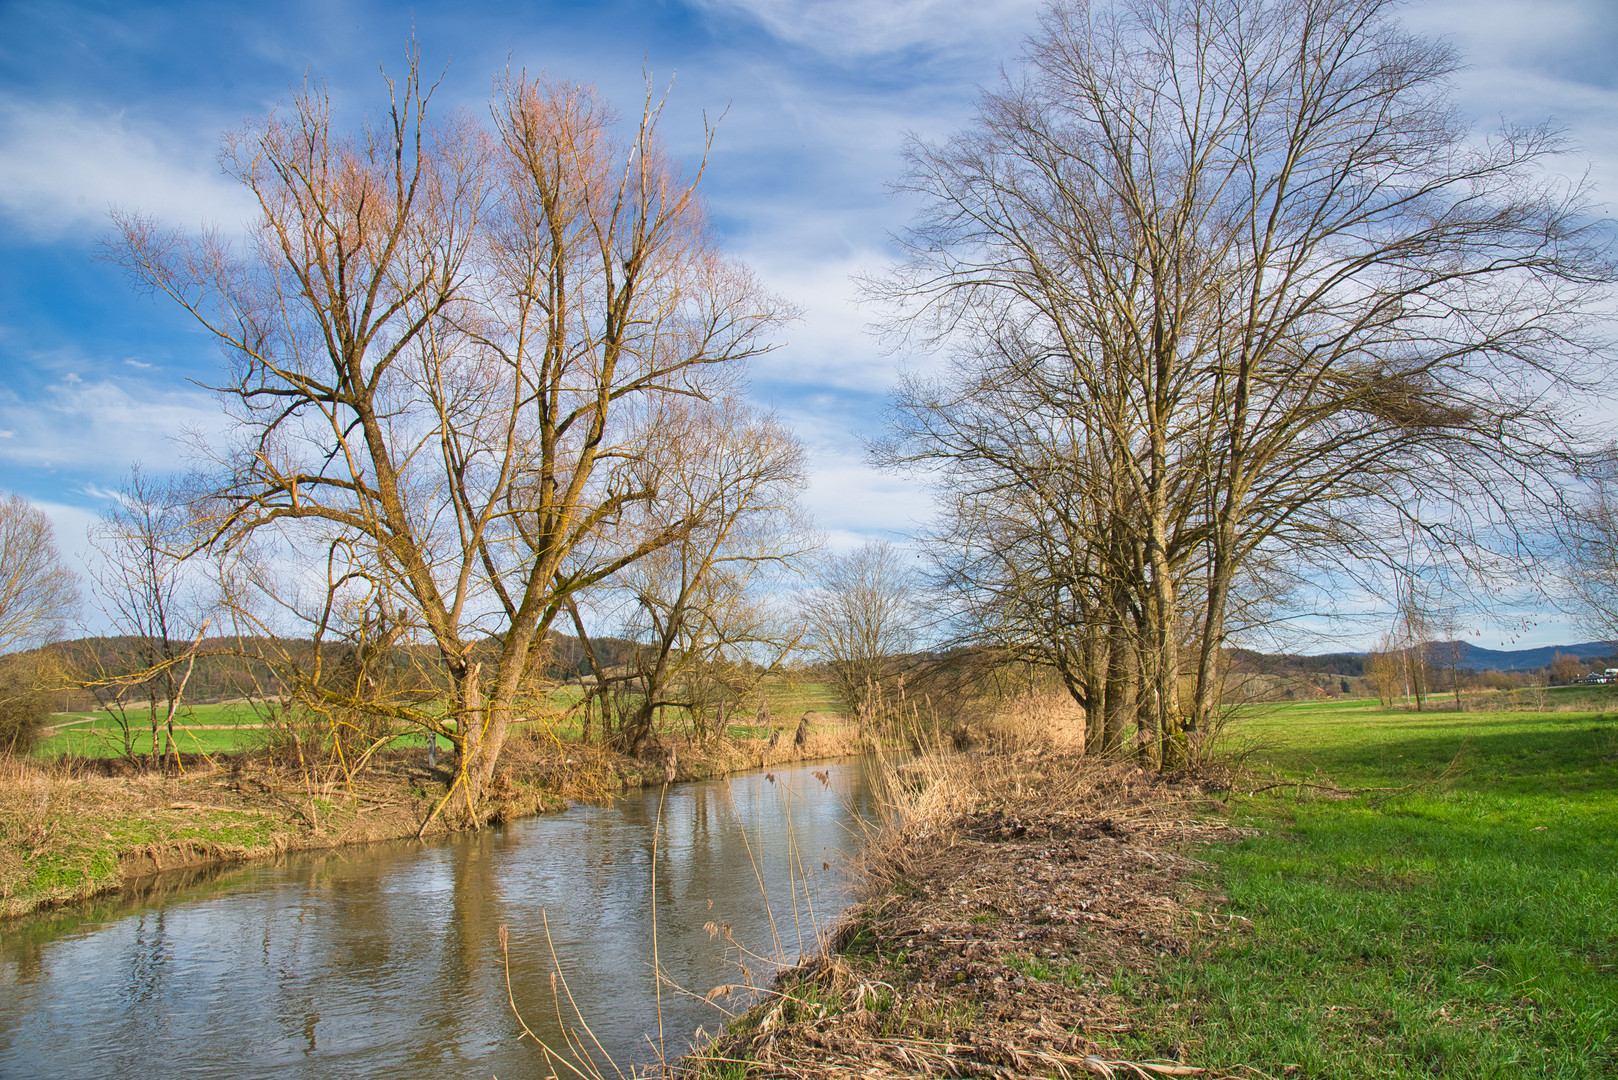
x=105, y=104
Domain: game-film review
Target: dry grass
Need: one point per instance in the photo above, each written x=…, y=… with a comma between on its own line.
x=1032, y=721
x=26, y=819
x=1007, y=891
x=69, y=831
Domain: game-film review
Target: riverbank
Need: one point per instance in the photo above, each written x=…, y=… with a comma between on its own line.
x=1376, y=893
x=1011, y=897
x=69, y=831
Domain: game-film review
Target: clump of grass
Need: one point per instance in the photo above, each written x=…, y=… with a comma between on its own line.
x=25, y=798
x=1033, y=721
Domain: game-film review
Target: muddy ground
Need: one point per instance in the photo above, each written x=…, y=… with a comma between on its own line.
x=990, y=941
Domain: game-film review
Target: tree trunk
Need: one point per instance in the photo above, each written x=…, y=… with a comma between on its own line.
x=1205, y=700
x=1096, y=691
x=1166, y=663
x=1118, y=671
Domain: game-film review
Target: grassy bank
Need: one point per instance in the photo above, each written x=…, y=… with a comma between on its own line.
x=1367, y=892
x=1428, y=894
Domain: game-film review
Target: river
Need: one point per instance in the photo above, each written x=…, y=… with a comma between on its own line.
x=386, y=959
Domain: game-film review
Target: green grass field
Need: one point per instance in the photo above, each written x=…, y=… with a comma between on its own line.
x=1466, y=926
x=216, y=728
x=207, y=728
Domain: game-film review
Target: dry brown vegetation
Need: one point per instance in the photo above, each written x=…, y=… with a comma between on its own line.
x=1006, y=891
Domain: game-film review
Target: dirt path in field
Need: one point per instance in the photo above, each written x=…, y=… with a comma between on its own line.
x=990, y=944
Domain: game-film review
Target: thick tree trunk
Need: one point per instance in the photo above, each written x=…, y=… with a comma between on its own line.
x=1118, y=680
x=1166, y=658
x=469, y=740
x=1096, y=689
x=1206, y=697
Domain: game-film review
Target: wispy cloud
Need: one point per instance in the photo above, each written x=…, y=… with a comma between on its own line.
x=63, y=167
x=102, y=427
x=854, y=29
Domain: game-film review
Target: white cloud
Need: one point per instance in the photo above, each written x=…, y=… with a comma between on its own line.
x=62, y=169
x=1491, y=31
x=829, y=346
x=71, y=525
x=860, y=28
x=103, y=427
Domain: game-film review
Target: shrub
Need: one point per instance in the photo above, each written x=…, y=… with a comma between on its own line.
x=24, y=703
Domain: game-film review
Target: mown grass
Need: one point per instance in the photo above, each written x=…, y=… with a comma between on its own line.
x=1465, y=926
x=203, y=728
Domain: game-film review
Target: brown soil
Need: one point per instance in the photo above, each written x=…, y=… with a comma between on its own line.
x=990, y=943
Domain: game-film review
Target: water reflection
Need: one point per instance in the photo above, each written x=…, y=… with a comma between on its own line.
x=385, y=960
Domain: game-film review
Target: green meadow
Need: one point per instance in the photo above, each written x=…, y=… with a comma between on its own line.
x=1422, y=894
x=205, y=728
x=233, y=726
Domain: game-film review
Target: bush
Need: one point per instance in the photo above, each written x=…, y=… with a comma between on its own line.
x=24, y=703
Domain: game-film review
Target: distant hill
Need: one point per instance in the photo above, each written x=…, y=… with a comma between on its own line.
x=1476, y=659
x=1472, y=658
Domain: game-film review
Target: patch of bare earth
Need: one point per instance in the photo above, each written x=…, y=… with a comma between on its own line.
x=991, y=941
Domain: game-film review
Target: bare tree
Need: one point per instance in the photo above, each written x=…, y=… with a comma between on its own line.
x=1564, y=669
x=704, y=605
x=1590, y=554
x=1385, y=669
x=1243, y=263
x=1412, y=631
x=154, y=600
x=863, y=617
x=38, y=597
x=38, y=594
x=449, y=346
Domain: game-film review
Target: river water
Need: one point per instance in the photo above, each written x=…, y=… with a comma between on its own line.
x=385, y=959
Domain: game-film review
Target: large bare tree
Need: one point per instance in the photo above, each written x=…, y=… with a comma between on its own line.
x=1247, y=269
x=449, y=345
x=863, y=616
x=156, y=600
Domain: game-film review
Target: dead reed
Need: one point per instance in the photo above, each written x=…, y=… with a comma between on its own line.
x=1004, y=887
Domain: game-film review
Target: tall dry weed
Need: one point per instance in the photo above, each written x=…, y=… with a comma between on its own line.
x=28, y=801
x=1034, y=721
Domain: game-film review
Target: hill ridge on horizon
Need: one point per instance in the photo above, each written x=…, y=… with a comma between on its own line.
x=1477, y=658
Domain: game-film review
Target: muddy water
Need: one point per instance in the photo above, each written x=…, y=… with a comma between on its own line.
x=385, y=960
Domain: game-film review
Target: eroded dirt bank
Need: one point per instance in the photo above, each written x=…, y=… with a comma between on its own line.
x=998, y=921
